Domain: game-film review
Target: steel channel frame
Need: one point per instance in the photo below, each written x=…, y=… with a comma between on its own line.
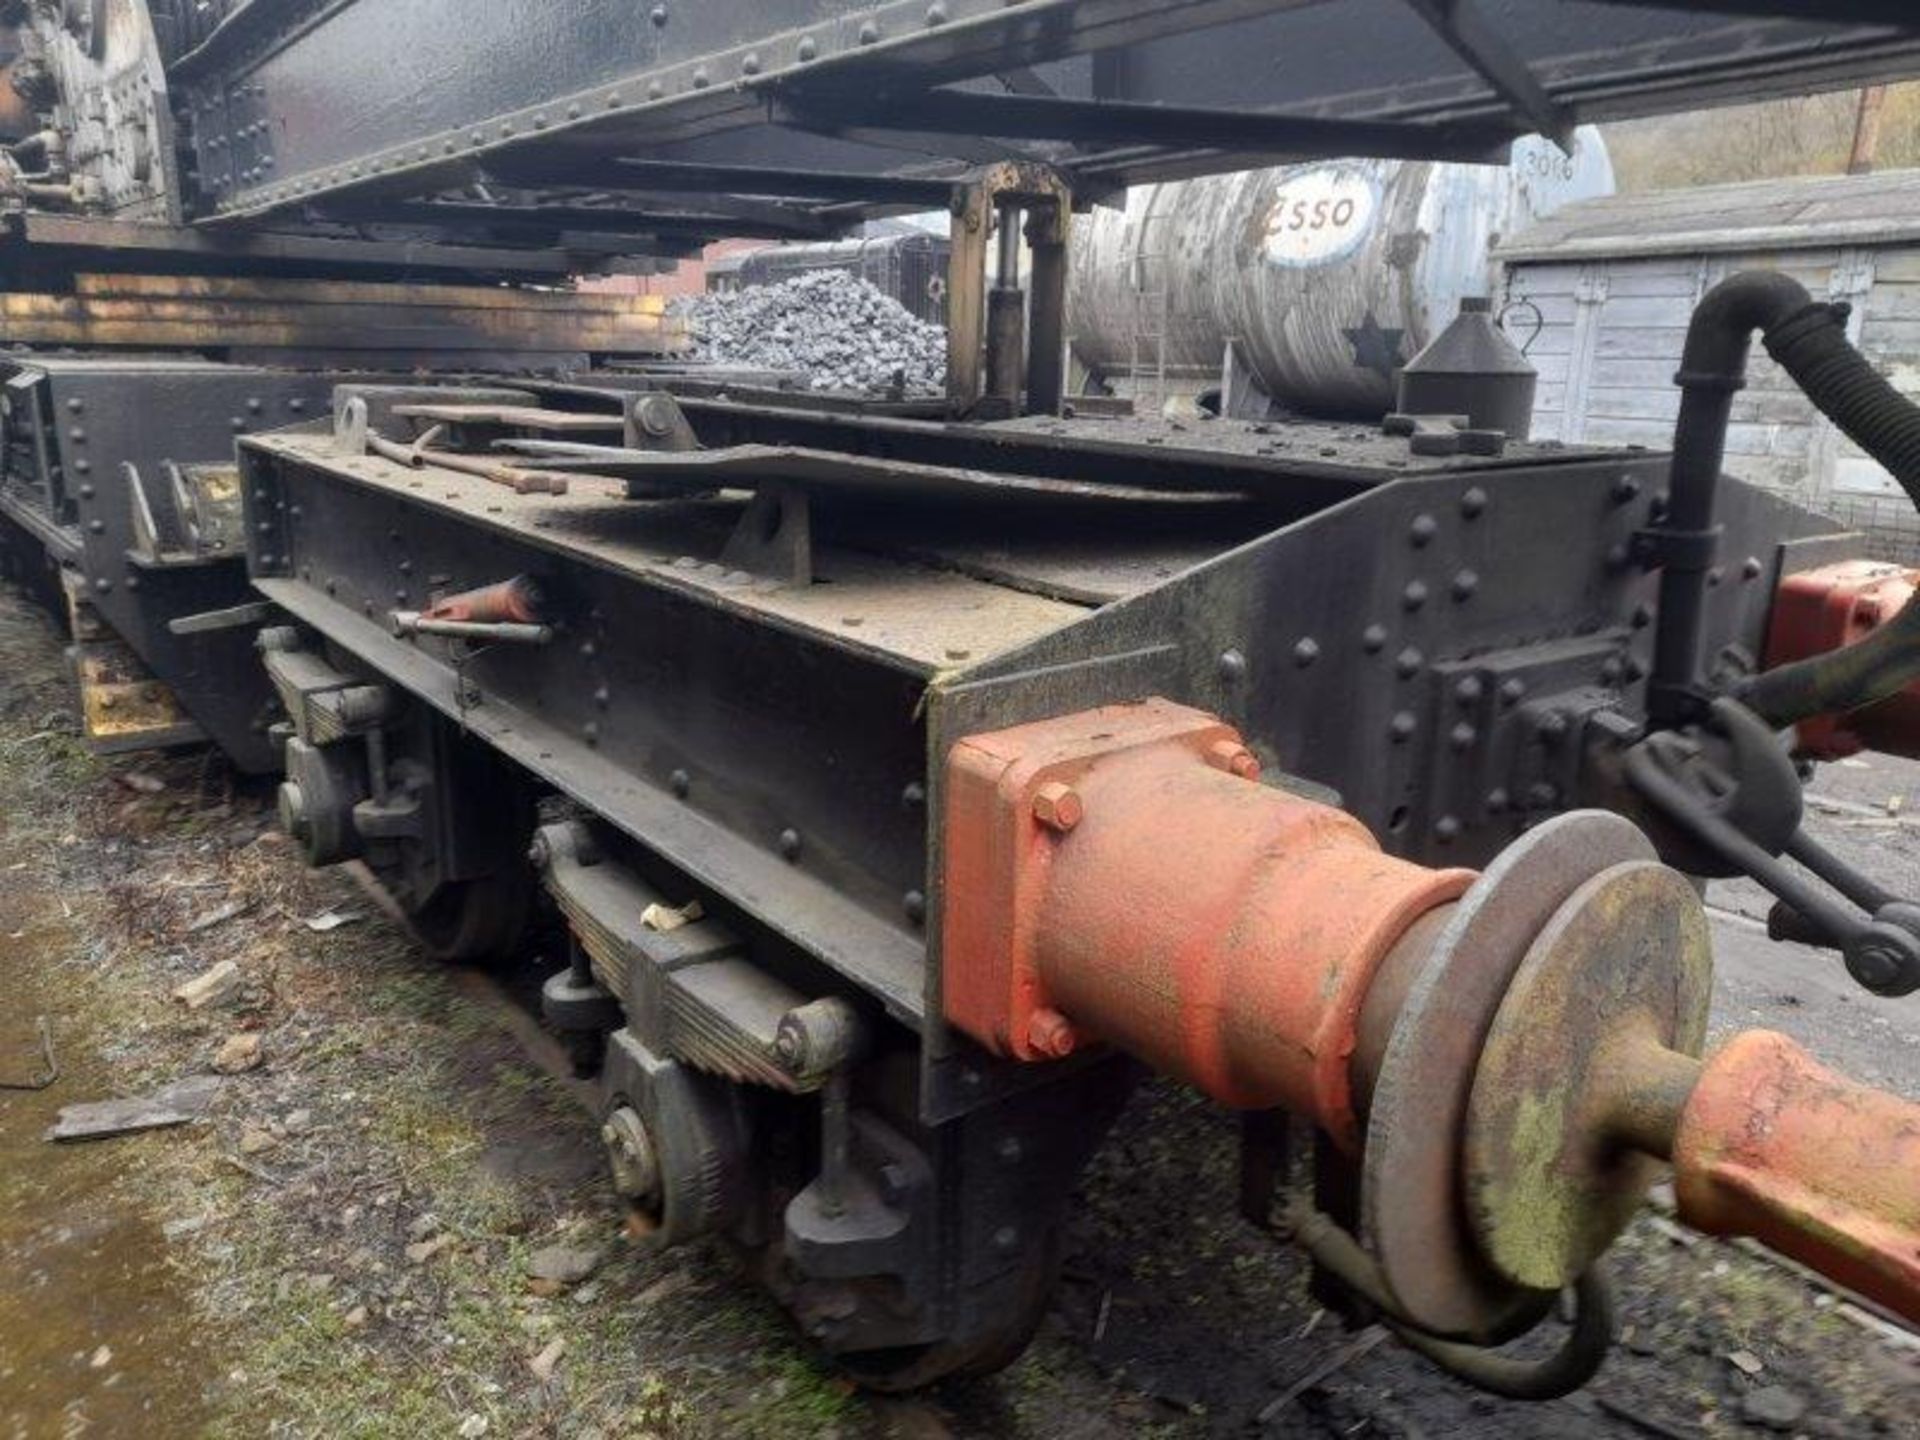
x=1338, y=644
x=101, y=416
x=705, y=82
x=705, y=734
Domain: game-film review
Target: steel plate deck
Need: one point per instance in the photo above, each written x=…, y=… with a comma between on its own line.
x=918, y=618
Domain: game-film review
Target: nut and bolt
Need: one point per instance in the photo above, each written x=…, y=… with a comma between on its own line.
x=1234, y=758
x=1051, y=1033
x=1058, y=806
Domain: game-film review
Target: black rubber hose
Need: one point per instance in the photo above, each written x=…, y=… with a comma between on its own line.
x=1562, y=1372
x=1812, y=346
x=1870, y=669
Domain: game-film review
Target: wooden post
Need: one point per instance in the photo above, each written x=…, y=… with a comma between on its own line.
x=1866, y=129
x=967, y=294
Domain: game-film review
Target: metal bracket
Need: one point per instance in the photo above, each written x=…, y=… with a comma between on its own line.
x=774, y=537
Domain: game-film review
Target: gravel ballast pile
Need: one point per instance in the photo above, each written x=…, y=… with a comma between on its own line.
x=836, y=330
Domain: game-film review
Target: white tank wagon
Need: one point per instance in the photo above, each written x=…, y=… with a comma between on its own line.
x=1326, y=276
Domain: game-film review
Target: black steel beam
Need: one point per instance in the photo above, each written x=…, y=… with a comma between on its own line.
x=1900, y=14
x=1466, y=32
x=50, y=241
x=607, y=221
x=1037, y=117
x=741, y=212
x=670, y=176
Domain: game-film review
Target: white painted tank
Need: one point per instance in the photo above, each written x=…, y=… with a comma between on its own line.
x=1329, y=275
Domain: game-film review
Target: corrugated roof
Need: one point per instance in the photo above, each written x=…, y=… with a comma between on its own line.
x=1791, y=214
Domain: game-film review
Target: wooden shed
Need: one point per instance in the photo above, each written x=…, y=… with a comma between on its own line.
x=1604, y=289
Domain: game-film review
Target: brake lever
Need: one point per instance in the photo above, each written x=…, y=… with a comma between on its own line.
x=1879, y=941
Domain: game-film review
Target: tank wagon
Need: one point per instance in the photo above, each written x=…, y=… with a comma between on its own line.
x=1357, y=773
x=1325, y=277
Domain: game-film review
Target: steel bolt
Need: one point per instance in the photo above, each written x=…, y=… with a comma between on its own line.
x=1058, y=806
x=1422, y=530
x=1232, y=665
x=655, y=415
x=1306, y=651
x=1373, y=639
x=1051, y=1033
x=680, y=783
x=1402, y=726
x=790, y=844
x=1415, y=595
x=1750, y=568
x=1234, y=758
x=807, y=49
x=915, y=905
x=1408, y=662
x=895, y=1180
x=1465, y=584
x=1446, y=828
x=1463, y=736
x=1473, y=504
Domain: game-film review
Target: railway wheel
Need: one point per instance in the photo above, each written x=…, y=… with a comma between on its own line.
x=475, y=922
x=898, y=1369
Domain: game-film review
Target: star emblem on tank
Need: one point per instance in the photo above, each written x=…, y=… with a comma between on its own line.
x=1375, y=348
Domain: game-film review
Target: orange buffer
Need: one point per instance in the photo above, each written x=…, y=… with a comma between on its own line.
x=1118, y=875
x=1589, y=1076
x=1774, y=1145
x=1822, y=610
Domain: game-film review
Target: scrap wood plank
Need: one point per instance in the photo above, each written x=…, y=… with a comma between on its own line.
x=178, y=1104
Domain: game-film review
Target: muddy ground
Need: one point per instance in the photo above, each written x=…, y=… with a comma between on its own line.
x=342, y=1246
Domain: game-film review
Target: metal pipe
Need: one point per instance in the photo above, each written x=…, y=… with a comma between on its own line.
x=1713, y=369
x=1006, y=268
x=412, y=622
x=520, y=481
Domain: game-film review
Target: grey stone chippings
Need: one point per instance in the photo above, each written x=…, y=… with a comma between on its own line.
x=833, y=329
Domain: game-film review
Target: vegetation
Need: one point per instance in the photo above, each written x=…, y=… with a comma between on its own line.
x=1805, y=135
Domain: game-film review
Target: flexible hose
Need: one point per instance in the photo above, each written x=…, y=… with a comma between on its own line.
x=1812, y=346
x=1576, y=1362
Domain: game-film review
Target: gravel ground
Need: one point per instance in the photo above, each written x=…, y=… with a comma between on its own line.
x=838, y=331
x=395, y=1223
